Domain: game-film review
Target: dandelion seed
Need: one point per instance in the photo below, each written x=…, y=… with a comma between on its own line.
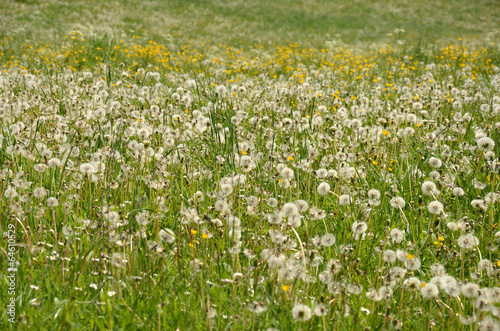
x=389, y=256
x=412, y=264
x=372, y=294
x=485, y=144
x=221, y=205
x=117, y=260
x=412, y=283
x=323, y=188
x=385, y=292
x=322, y=173
x=470, y=290
x=320, y=310
x=428, y=188
x=40, y=167
x=467, y=241
x=142, y=218
x=302, y=205
x=287, y=173
x=417, y=106
x=10, y=192
x=54, y=163
x=328, y=240
x=429, y=291
x=167, y=235
x=87, y=168
x=435, y=162
x=359, y=227
x=345, y=200
x=397, y=235
x=467, y=320
x=434, y=175
x=374, y=194
x=458, y=191
x=492, y=198
x=52, y=202
x=289, y=209
x=398, y=202
x=257, y=307
x=301, y=313
x=435, y=207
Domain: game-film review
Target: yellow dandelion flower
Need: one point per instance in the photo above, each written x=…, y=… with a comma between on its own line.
x=193, y=231
x=285, y=287
x=385, y=133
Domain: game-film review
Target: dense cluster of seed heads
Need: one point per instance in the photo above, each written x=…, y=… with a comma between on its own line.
x=344, y=188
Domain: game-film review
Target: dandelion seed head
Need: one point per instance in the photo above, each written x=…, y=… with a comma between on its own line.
x=328, y=240
x=345, y=200
x=435, y=207
x=54, y=163
x=467, y=241
x=301, y=313
x=374, y=194
x=435, y=162
x=485, y=144
x=87, y=168
x=302, y=205
x=52, y=202
x=323, y=188
x=429, y=291
x=428, y=188
x=398, y=202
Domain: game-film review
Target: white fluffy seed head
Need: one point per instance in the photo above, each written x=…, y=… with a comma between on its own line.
x=323, y=188
x=458, y=191
x=374, y=194
x=435, y=207
x=429, y=290
x=398, y=202
x=435, y=162
x=287, y=173
x=485, y=144
x=428, y=187
x=87, y=168
x=345, y=200
x=301, y=313
x=54, y=163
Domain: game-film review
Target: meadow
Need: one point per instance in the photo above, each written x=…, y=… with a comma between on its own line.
x=216, y=165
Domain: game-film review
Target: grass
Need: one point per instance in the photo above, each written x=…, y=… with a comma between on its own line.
x=244, y=24
x=237, y=165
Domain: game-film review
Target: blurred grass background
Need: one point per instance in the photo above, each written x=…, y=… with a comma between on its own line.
x=242, y=23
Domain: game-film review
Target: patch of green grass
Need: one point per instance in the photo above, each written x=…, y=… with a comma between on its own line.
x=243, y=24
